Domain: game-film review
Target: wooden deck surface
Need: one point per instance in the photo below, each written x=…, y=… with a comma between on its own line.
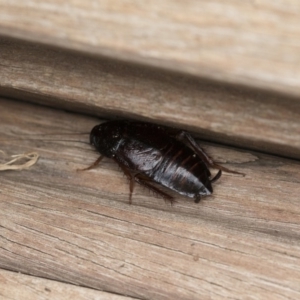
x=253, y=43
x=228, y=72
x=78, y=228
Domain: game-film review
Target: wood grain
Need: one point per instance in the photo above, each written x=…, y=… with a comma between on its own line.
x=20, y=286
x=254, y=43
x=77, y=227
x=226, y=114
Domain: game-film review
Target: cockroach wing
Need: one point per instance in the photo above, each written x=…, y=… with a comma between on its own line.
x=138, y=156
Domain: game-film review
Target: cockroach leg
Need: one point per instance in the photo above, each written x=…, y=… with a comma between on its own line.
x=218, y=175
x=187, y=138
x=130, y=178
x=144, y=181
x=93, y=165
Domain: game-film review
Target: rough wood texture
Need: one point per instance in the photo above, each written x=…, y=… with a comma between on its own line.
x=77, y=227
x=106, y=88
x=19, y=286
x=255, y=43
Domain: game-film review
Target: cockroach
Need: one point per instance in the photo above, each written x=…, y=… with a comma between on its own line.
x=150, y=154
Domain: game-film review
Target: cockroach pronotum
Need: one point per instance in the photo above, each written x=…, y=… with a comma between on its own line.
x=150, y=154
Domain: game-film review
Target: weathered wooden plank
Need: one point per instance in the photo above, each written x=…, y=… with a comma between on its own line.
x=252, y=43
x=20, y=286
x=220, y=113
x=77, y=227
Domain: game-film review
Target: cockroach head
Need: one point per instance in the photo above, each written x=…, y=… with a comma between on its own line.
x=107, y=137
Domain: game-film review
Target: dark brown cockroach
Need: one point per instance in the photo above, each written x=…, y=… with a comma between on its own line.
x=150, y=154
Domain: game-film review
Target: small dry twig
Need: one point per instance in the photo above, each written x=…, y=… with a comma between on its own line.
x=31, y=158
